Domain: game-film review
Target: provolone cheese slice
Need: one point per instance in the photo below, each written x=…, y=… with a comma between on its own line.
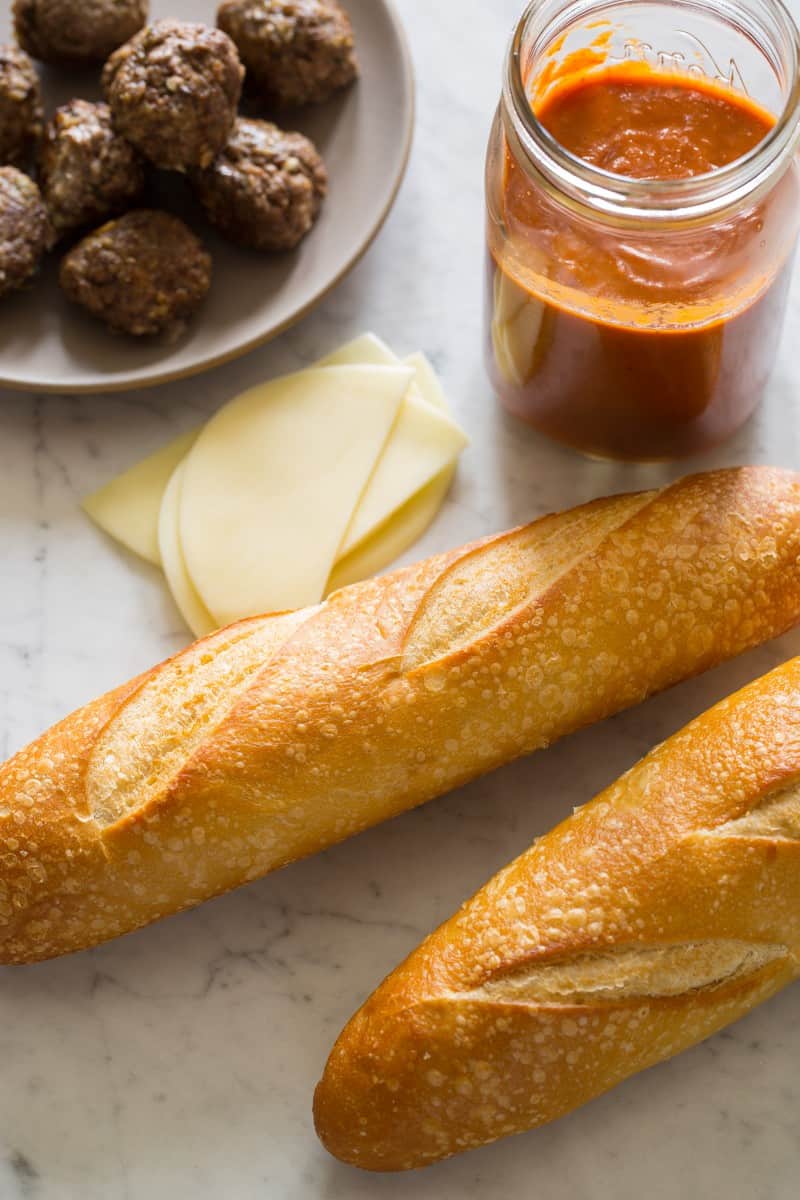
x=184, y=593
x=407, y=525
x=367, y=349
x=273, y=480
x=127, y=508
x=395, y=537
x=134, y=508
x=427, y=381
x=423, y=443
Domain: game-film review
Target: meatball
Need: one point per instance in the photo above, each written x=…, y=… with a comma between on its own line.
x=145, y=273
x=173, y=92
x=76, y=32
x=295, y=51
x=265, y=188
x=87, y=172
x=24, y=229
x=21, y=112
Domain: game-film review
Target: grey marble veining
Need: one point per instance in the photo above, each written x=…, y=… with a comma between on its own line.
x=180, y=1061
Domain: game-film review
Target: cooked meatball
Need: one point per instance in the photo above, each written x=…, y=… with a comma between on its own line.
x=20, y=105
x=265, y=188
x=173, y=92
x=145, y=273
x=295, y=51
x=87, y=172
x=76, y=31
x=24, y=229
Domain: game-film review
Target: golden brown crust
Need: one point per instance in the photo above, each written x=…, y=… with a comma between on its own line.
x=666, y=908
x=283, y=735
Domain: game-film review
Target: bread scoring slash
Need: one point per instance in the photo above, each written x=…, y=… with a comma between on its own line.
x=283, y=734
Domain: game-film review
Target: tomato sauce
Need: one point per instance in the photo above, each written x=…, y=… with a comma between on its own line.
x=640, y=344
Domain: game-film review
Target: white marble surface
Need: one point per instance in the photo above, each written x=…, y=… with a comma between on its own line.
x=180, y=1061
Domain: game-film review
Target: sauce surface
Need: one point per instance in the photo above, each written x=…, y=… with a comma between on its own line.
x=637, y=343
x=652, y=126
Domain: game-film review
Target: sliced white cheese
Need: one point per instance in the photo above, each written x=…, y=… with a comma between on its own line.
x=368, y=348
x=427, y=381
x=407, y=525
x=127, y=508
x=184, y=593
x=395, y=508
x=423, y=443
x=272, y=482
x=395, y=537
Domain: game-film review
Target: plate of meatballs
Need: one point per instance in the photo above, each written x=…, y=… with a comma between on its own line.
x=180, y=182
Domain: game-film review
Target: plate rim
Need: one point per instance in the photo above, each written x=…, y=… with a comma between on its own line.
x=165, y=375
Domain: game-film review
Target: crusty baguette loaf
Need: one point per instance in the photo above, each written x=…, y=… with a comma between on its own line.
x=654, y=916
x=281, y=735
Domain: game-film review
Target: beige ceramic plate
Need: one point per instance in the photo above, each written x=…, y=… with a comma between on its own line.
x=48, y=345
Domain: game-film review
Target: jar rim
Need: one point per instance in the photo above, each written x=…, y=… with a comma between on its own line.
x=625, y=196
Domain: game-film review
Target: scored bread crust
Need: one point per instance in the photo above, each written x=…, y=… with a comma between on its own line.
x=657, y=914
x=281, y=735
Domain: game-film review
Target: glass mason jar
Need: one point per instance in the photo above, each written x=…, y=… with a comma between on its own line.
x=639, y=318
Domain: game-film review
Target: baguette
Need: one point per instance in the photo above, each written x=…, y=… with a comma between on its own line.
x=657, y=914
x=281, y=735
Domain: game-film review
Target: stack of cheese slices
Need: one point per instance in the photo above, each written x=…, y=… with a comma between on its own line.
x=297, y=487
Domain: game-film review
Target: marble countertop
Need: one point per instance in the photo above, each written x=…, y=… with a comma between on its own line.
x=181, y=1060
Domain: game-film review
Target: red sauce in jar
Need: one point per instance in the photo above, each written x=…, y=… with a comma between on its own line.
x=639, y=344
